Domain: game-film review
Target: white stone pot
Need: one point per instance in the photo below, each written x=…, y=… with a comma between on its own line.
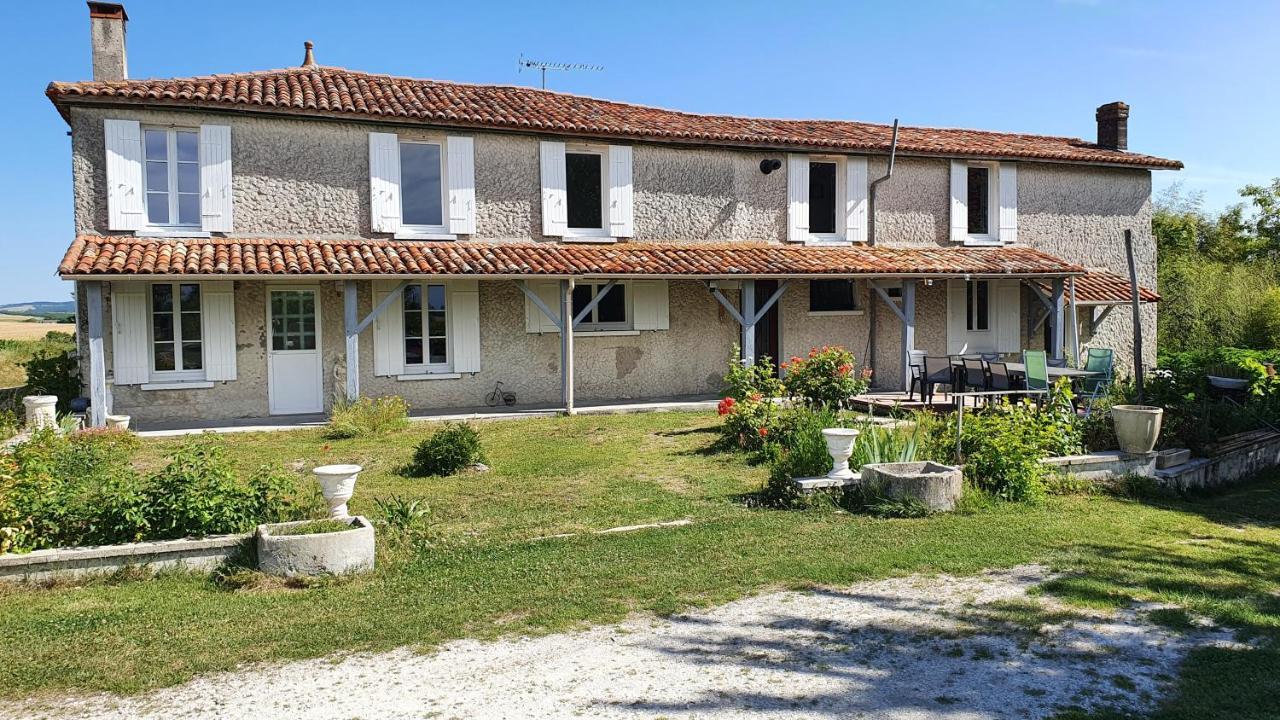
x=42, y=411
x=337, y=484
x=1137, y=426
x=118, y=422
x=840, y=446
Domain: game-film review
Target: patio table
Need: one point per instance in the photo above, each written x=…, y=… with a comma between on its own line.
x=1018, y=368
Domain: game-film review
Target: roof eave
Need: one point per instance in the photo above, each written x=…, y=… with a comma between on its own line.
x=63, y=102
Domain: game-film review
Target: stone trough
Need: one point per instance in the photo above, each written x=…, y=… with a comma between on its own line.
x=335, y=553
x=934, y=485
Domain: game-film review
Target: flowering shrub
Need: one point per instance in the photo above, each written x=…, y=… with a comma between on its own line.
x=748, y=408
x=826, y=378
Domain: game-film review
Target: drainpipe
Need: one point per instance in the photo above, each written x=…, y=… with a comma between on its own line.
x=871, y=240
x=871, y=191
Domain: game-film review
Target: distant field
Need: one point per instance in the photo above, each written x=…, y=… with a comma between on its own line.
x=20, y=339
x=16, y=327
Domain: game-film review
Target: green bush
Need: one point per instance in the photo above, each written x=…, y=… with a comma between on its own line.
x=1207, y=303
x=449, y=449
x=81, y=489
x=10, y=425
x=367, y=417
x=54, y=373
x=801, y=453
x=749, y=410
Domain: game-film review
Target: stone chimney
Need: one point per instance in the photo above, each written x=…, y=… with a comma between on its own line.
x=1113, y=126
x=106, y=33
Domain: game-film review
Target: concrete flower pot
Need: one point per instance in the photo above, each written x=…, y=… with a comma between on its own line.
x=934, y=485
x=42, y=411
x=337, y=484
x=1137, y=427
x=333, y=553
x=118, y=422
x=840, y=447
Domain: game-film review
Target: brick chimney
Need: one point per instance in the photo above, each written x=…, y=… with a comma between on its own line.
x=1113, y=126
x=106, y=33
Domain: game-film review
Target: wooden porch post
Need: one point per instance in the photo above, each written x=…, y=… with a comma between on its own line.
x=98, y=401
x=749, y=327
x=351, y=321
x=908, y=329
x=1075, y=325
x=566, y=344
x=1059, y=318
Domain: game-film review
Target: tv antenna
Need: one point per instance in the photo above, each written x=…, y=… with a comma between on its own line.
x=545, y=66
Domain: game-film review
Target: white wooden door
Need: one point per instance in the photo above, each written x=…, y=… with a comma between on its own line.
x=294, y=372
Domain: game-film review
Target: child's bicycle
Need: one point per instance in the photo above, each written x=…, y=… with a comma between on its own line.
x=499, y=397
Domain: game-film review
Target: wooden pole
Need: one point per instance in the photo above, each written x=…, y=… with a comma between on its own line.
x=351, y=320
x=1137, y=315
x=566, y=344
x=99, y=404
x=749, y=327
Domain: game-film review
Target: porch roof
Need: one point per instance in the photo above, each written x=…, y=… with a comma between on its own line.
x=97, y=256
x=1100, y=287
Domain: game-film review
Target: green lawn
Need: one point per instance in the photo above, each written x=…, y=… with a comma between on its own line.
x=482, y=571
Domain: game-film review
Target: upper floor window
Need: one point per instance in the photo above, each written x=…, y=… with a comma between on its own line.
x=426, y=328
x=984, y=202
x=831, y=296
x=824, y=189
x=585, y=190
x=422, y=186
x=977, y=306
x=172, y=177
x=611, y=313
x=176, y=334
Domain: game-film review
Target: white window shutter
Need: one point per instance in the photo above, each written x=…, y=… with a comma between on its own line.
x=959, y=201
x=797, y=198
x=215, y=178
x=388, y=331
x=536, y=321
x=555, y=210
x=957, y=325
x=621, y=221
x=129, y=341
x=855, y=199
x=1008, y=182
x=464, y=318
x=650, y=305
x=1008, y=314
x=462, y=185
x=384, y=182
x=124, y=175
x=219, y=302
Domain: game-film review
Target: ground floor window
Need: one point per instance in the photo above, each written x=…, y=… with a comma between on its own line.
x=832, y=296
x=611, y=313
x=426, y=328
x=177, y=344
x=977, y=295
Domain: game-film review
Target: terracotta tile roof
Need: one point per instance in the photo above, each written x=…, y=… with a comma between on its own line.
x=98, y=255
x=1099, y=287
x=330, y=91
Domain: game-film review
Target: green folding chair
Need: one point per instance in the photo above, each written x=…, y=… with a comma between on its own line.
x=1036, y=376
x=1099, y=360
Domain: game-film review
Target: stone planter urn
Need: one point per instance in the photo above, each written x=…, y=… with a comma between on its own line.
x=118, y=422
x=42, y=411
x=337, y=483
x=332, y=553
x=840, y=446
x=1137, y=427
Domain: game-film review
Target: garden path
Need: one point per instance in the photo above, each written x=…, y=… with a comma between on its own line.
x=907, y=648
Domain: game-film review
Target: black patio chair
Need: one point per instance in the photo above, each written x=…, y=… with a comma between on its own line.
x=937, y=371
x=975, y=375
x=916, y=368
x=998, y=379
x=1057, y=362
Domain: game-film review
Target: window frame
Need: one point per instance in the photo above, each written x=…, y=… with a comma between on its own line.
x=971, y=305
x=175, y=375
x=853, y=309
x=992, y=236
x=840, y=236
x=171, y=175
x=604, y=231
x=427, y=368
x=426, y=232
x=589, y=325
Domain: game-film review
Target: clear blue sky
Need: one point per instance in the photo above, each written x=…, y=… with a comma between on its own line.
x=1198, y=75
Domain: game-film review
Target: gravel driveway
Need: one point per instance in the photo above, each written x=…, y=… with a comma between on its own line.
x=915, y=647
